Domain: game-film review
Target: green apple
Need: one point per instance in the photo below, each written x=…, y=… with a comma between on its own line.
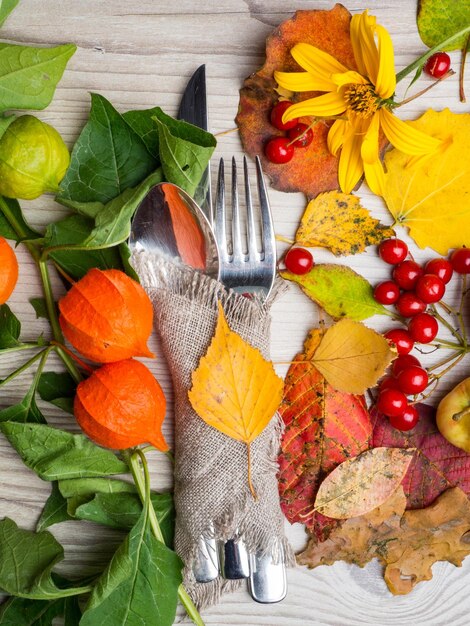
x=453, y=416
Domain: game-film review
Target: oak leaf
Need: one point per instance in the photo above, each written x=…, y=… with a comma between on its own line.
x=339, y=290
x=430, y=196
x=337, y=221
x=408, y=543
x=323, y=428
x=362, y=483
x=352, y=357
x=234, y=389
x=436, y=465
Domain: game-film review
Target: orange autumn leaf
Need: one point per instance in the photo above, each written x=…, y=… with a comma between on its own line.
x=234, y=389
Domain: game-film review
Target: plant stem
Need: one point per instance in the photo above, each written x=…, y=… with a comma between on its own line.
x=420, y=61
x=423, y=91
x=20, y=346
x=448, y=359
x=445, y=323
x=54, y=321
x=284, y=239
x=142, y=482
x=462, y=71
x=455, y=360
x=460, y=311
x=17, y=227
x=23, y=367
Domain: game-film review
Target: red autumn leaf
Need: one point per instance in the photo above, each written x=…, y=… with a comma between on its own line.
x=436, y=465
x=312, y=169
x=324, y=427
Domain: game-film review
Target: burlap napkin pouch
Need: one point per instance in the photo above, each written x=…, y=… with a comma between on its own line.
x=210, y=475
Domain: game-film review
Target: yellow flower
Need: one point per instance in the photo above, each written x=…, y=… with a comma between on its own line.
x=363, y=99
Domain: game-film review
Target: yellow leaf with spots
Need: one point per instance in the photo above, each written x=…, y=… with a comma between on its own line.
x=337, y=221
x=363, y=483
x=352, y=357
x=234, y=388
x=431, y=195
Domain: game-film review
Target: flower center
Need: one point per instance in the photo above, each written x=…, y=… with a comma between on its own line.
x=362, y=99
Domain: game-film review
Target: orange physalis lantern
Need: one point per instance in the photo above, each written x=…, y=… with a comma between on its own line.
x=107, y=316
x=8, y=270
x=121, y=405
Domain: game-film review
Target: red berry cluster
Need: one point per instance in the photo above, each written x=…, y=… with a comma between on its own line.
x=281, y=149
x=411, y=289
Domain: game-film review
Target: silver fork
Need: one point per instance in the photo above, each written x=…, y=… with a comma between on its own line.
x=253, y=270
x=249, y=271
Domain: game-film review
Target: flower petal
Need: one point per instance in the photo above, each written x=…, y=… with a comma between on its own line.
x=385, y=82
x=373, y=169
x=351, y=168
x=346, y=78
x=322, y=106
x=336, y=136
x=368, y=47
x=315, y=61
x=302, y=81
x=406, y=138
x=356, y=43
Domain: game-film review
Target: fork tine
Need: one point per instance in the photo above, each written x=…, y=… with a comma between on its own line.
x=236, y=232
x=267, y=228
x=220, y=229
x=250, y=219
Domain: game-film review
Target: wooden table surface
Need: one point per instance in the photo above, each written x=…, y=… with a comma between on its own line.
x=140, y=54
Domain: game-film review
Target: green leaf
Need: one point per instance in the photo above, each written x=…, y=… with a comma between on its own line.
x=113, y=223
x=18, y=230
x=6, y=7
x=54, y=454
x=142, y=123
x=339, y=291
x=40, y=307
x=122, y=510
x=10, y=328
x=440, y=19
x=54, y=511
x=58, y=389
x=26, y=562
x=78, y=491
x=26, y=411
x=184, y=149
x=74, y=231
x=107, y=158
x=25, y=612
x=28, y=76
x=140, y=585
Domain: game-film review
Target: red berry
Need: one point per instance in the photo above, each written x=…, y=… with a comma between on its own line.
x=301, y=135
x=391, y=402
x=423, y=327
x=406, y=274
x=388, y=383
x=437, y=65
x=441, y=268
x=277, y=112
x=404, y=361
x=460, y=260
x=412, y=380
x=429, y=288
x=409, y=304
x=401, y=339
x=298, y=261
x=393, y=251
x=278, y=150
x=387, y=292
x=407, y=420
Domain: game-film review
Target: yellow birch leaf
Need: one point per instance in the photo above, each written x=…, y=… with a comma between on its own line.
x=431, y=195
x=363, y=483
x=337, y=221
x=352, y=357
x=234, y=389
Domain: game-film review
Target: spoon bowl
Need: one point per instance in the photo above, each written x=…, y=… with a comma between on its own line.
x=169, y=223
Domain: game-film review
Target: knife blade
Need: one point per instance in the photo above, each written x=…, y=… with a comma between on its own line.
x=193, y=109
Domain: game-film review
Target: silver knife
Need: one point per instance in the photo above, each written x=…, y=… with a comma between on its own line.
x=193, y=109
